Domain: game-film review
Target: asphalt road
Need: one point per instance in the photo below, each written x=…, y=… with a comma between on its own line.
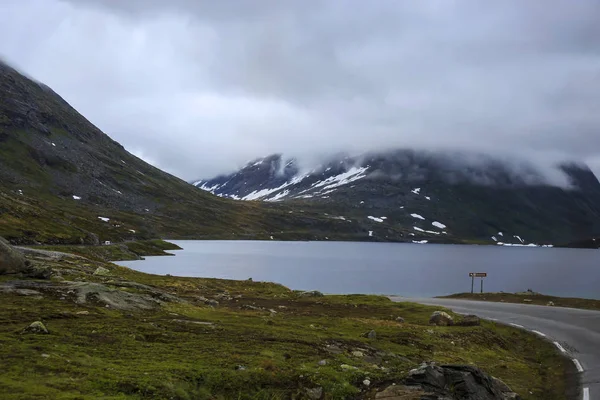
x=574, y=332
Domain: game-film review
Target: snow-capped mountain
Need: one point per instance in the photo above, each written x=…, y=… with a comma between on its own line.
x=426, y=196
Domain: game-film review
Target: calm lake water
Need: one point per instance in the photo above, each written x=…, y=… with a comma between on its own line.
x=385, y=268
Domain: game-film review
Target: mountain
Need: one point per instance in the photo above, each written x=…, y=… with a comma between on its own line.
x=62, y=180
x=432, y=196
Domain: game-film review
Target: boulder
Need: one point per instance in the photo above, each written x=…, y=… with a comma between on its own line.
x=101, y=271
x=314, y=393
x=11, y=260
x=469, y=320
x=370, y=335
x=459, y=382
x=400, y=320
x=36, y=327
x=312, y=293
x=550, y=304
x=441, y=318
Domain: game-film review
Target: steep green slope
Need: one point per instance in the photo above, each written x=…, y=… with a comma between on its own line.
x=59, y=174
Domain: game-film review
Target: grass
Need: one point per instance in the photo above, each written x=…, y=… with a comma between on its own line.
x=170, y=352
x=530, y=298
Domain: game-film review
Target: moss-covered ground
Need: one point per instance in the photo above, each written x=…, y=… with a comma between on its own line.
x=261, y=341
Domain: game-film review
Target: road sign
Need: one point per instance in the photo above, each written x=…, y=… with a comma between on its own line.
x=474, y=275
x=477, y=274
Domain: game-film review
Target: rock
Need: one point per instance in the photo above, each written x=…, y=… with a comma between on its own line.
x=322, y=363
x=82, y=313
x=312, y=293
x=101, y=271
x=212, y=303
x=469, y=320
x=357, y=353
x=400, y=319
x=347, y=367
x=240, y=368
x=527, y=300
x=441, y=318
x=251, y=307
x=459, y=382
x=314, y=393
x=36, y=327
x=11, y=260
x=367, y=382
x=550, y=304
x=371, y=335
x=223, y=297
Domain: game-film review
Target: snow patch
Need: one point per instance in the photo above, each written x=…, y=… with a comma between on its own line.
x=370, y=233
x=428, y=198
x=416, y=228
x=438, y=225
x=519, y=237
x=494, y=238
x=351, y=175
x=279, y=196
x=376, y=219
x=76, y=197
x=500, y=234
x=131, y=230
x=417, y=216
x=259, y=194
x=420, y=241
x=104, y=219
x=416, y=191
x=54, y=144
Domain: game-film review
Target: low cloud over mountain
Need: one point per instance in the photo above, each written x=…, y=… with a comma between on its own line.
x=200, y=87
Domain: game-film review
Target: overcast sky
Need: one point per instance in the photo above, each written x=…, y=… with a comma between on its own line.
x=200, y=87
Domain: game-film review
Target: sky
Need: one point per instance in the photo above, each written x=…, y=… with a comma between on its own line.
x=200, y=87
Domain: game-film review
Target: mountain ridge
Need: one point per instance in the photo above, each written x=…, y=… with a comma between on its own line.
x=435, y=187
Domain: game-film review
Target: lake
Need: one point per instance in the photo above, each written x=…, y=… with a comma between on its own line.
x=411, y=270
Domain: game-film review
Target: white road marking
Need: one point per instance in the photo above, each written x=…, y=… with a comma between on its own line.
x=517, y=325
x=560, y=347
x=578, y=365
x=539, y=333
x=586, y=393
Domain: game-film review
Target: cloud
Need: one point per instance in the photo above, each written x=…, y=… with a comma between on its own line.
x=200, y=87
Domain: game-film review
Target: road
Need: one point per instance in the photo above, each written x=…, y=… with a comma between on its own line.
x=574, y=332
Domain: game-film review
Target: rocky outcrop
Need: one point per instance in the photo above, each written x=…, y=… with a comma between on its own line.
x=11, y=260
x=441, y=318
x=457, y=382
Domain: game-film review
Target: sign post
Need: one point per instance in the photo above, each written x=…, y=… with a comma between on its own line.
x=474, y=275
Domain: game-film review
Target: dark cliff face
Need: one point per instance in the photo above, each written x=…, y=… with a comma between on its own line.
x=475, y=199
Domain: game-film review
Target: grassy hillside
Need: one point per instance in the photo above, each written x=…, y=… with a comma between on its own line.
x=120, y=334
x=59, y=174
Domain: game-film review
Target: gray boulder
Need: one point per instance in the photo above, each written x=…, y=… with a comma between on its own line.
x=312, y=293
x=459, y=382
x=101, y=271
x=314, y=393
x=11, y=260
x=441, y=318
x=36, y=327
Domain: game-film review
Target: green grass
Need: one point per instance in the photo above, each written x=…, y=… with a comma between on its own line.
x=114, y=354
x=530, y=298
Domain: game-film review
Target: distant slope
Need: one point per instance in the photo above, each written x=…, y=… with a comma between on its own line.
x=62, y=180
x=429, y=196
